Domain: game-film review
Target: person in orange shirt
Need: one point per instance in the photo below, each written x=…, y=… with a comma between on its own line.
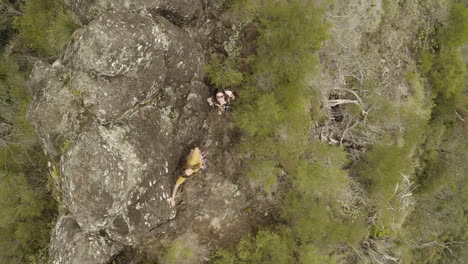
x=194, y=162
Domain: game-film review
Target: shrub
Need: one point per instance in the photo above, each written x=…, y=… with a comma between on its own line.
x=321, y=172
x=27, y=207
x=417, y=103
x=176, y=253
x=265, y=247
x=456, y=33
x=275, y=106
x=6, y=25
x=25, y=217
x=226, y=3
x=448, y=75
x=34, y=23
x=14, y=100
x=223, y=74
x=46, y=26
x=61, y=29
x=426, y=61
x=314, y=222
x=383, y=168
x=224, y=256
x=8, y=78
x=309, y=254
x=266, y=171
x=261, y=119
x=448, y=70
x=440, y=214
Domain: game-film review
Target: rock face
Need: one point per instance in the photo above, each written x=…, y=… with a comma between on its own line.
x=123, y=101
x=117, y=114
x=185, y=10
x=72, y=246
x=126, y=49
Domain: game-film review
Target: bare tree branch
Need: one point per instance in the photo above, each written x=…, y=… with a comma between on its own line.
x=346, y=130
x=357, y=252
x=459, y=116
x=434, y=244
x=343, y=101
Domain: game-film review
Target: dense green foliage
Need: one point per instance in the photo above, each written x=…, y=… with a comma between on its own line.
x=275, y=104
x=386, y=164
x=37, y=17
x=175, y=253
x=456, y=33
x=447, y=75
x=8, y=11
x=28, y=209
x=427, y=129
x=223, y=74
x=266, y=246
x=46, y=26
x=275, y=115
x=27, y=206
x=440, y=214
x=61, y=29
x=10, y=80
x=419, y=139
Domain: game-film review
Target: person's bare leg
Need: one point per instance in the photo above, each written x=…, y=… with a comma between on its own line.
x=179, y=181
x=174, y=194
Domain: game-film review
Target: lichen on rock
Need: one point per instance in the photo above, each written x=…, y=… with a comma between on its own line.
x=71, y=245
x=128, y=99
x=181, y=11
x=108, y=96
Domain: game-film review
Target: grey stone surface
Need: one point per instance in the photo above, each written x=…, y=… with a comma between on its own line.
x=121, y=109
x=70, y=245
x=126, y=100
x=123, y=58
x=126, y=185
x=52, y=111
x=177, y=10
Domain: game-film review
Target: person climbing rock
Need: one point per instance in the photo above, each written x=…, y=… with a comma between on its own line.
x=193, y=163
x=221, y=100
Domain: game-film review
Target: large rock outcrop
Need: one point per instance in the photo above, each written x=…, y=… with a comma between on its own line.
x=122, y=100
x=181, y=11
x=117, y=114
x=73, y=246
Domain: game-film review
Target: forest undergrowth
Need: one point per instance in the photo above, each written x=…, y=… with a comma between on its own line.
x=390, y=189
x=394, y=191
x=29, y=30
